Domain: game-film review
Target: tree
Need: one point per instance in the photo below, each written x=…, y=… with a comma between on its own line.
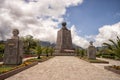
x=29, y=43
x=2, y=47
x=114, y=48
x=47, y=51
x=82, y=51
x=39, y=51
x=77, y=51
x=51, y=50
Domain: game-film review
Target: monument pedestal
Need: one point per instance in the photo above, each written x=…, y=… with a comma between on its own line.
x=91, y=51
x=64, y=41
x=58, y=53
x=13, y=52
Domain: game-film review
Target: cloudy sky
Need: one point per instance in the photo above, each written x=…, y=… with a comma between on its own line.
x=96, y=20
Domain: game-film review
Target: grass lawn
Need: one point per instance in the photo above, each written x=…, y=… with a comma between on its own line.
x=94, y=60
x=6, y=68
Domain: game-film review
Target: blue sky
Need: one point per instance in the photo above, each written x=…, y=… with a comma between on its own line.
x=89, y=16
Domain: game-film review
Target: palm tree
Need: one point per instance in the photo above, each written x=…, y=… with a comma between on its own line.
x=51, y=50
x=114, y=48
x=47, y=51
x=39, y=51
x=77, y=51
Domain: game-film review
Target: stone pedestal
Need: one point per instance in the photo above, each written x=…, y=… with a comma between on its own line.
x=91, y=52
x=13, y=52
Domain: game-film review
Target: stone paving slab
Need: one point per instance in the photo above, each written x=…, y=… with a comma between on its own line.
x=65, y=68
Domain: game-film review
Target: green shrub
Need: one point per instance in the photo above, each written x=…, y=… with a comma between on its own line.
x=114, y=47
x=108, y=56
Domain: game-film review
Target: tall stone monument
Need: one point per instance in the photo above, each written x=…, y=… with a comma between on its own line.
x=13, y=50
x=64, y=40
x=91, y=51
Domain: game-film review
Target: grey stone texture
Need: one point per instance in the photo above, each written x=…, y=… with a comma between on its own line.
x=91, y=51
x=13, y=50
x=64, y=40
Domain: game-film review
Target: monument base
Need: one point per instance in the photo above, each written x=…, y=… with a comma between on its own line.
x=64, y=52
x=13, y=52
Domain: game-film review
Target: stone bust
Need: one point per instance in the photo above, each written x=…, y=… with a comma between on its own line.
x=15, y=34
x=91, y=51
x=91, y=43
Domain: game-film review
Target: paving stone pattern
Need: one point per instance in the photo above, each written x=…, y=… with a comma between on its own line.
x=65, y=68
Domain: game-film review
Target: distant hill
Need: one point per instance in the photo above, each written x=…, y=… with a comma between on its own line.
x=100, y=48
x=75, y=46
x=2, y=42
x=46, y=43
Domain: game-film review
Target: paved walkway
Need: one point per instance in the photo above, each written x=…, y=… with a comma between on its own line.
x=65, y=68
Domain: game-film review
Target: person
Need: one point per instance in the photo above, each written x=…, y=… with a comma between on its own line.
x=15, y=34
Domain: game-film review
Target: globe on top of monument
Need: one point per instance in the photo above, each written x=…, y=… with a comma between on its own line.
x=64, y=25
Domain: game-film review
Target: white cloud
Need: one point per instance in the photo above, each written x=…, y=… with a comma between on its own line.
x=80, y=41
x=33, y=17
x=107, y=32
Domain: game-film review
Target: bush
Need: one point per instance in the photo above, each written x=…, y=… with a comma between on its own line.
x=98, y=55
x=2, y=47
x=108, y=56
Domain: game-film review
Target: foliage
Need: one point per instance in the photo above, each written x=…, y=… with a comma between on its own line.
x=77, y=51
x=116, y=67
x=51, y=51
x=47, y=51
x=43, y=58
x=114, y=48
x=94, y=60
x=29, y=44
x=108, y=56
x=97, y=61
x=80, y=52
x=2, y=47
x=39, y=51
x=5, y=68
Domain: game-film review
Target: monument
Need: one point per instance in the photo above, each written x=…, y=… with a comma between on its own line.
x=13, y=50
x=64, y=40
x=91, y=51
